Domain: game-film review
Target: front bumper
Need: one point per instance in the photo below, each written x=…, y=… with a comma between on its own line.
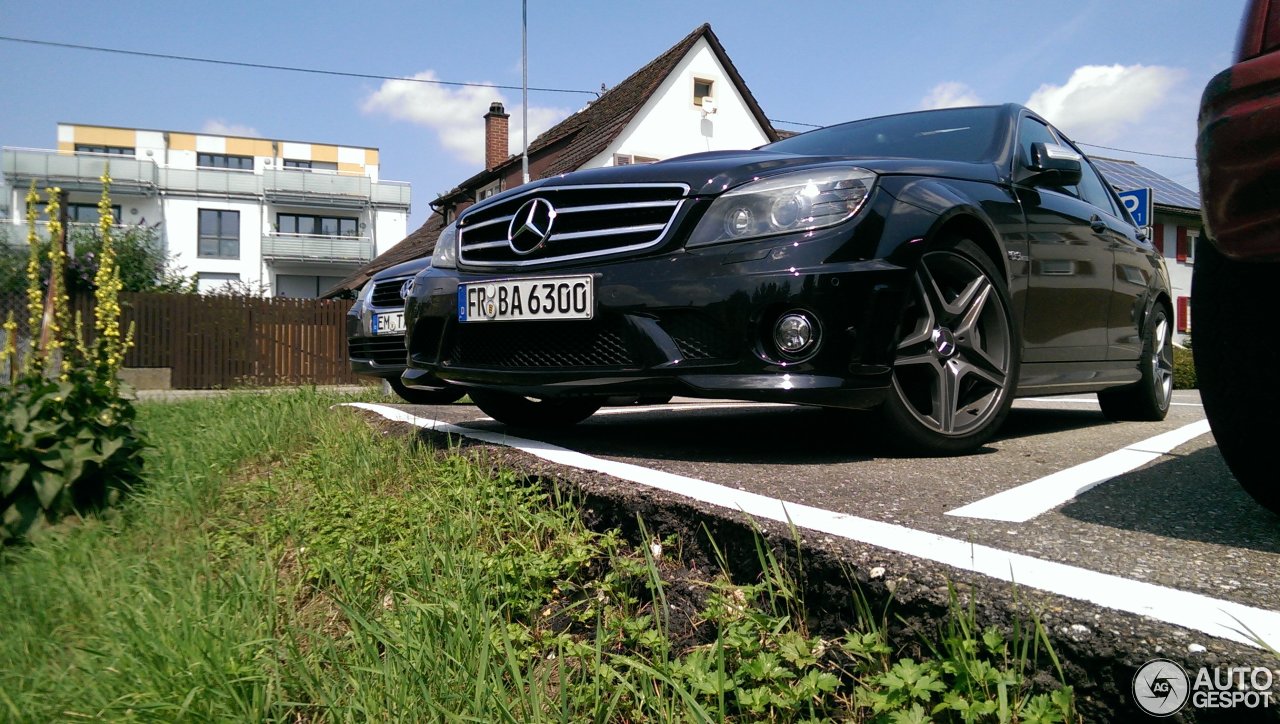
x=369, y=354
x=695, y=324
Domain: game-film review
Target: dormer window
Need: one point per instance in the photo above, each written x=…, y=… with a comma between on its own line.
x=701, y=89
x=626, y=159
x=490, y=190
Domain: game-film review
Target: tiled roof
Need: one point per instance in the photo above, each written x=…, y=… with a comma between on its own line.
x=1127, y=176
x=572, y=142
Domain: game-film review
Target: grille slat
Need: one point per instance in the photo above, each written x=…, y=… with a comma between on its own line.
x=520, y=345
x=387, y=350
x=590, y=221
x=387, y=293
x=698, y=338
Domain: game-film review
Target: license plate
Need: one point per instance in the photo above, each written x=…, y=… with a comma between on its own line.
x=388, y=323
x=527, y=299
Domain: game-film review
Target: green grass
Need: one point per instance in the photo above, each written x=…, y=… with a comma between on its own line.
x=288, y=562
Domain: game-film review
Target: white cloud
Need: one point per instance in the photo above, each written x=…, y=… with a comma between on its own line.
x=455, y=113
x=950, y=94
x=219, y=127
x=1103, y=103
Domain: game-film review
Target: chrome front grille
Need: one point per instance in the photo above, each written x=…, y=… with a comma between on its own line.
x=387, y=293
x=589, y=221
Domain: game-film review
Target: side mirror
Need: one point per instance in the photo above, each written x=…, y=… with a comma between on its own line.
x=1054, y=165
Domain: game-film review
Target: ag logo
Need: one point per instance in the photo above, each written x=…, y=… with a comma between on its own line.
x=1161, y=687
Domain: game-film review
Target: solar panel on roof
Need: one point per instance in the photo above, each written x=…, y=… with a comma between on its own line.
x=1127, y=175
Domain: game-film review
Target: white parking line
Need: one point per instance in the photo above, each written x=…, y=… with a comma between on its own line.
x=1020, y=504
x=1213, y=616
x=682, y=406
x=1092, y=401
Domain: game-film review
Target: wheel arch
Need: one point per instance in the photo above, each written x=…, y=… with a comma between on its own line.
x=1160, y=298
x=963, y=223
x=953, y=210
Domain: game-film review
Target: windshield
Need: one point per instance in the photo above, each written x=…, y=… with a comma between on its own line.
x=952, y=134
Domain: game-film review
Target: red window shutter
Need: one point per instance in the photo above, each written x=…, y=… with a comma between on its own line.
x=1182, y=243
x=1157, y=237
x=1184, y=314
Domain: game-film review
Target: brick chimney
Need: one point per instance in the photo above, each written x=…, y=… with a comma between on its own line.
x=495, y=135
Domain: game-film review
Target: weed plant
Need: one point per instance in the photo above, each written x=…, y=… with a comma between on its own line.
x=289, y=562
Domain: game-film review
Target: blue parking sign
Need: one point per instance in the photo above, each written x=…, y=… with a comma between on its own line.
x=1138, y=202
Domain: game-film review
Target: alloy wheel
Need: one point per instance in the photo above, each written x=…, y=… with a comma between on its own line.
x=953, y=361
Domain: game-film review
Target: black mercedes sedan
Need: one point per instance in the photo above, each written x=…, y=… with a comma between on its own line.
x=932, y=265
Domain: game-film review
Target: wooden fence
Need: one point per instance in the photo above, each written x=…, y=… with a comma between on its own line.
x=222, y=342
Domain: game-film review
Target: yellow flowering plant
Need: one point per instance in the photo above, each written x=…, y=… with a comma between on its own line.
x=68, y=445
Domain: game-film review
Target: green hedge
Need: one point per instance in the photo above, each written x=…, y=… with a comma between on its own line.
x=1184, y=369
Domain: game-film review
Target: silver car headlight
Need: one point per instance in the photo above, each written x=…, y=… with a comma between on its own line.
x=446, y=254
x=789, y=202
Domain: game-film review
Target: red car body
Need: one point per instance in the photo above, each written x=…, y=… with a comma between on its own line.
x=1238, y=146
x=1238, y=261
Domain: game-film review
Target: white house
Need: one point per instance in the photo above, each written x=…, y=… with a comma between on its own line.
x=289, y=217
x=689, y=99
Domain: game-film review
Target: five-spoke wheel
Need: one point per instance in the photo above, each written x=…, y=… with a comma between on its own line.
x=957, y=357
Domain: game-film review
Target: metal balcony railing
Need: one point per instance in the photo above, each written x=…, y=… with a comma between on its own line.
x=303, y=182
x=82, y=170
x=210, y=181
x=391, y=193
x=20, y=165
x=308, y=247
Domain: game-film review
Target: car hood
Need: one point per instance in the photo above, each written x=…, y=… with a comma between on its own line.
x=403, y=269
x=709, y=174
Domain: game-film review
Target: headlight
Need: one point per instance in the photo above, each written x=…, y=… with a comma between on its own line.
x=446, y=253
x=797, y=201
x=365, y=292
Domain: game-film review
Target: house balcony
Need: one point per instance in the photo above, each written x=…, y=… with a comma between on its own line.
x=304, y=187
x=301, y=186
x=313, y=248
x=77, y=171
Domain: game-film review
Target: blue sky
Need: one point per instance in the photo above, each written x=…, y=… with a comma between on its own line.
x=1109, y=72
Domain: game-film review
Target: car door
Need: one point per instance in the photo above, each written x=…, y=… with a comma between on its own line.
x=1071, y=252
x=1131, y=280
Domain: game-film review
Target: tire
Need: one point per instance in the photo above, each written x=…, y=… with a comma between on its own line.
x=417, y=396
x=1233, y=307
x=519, y=411
x=957, y=355
x=1147, y=399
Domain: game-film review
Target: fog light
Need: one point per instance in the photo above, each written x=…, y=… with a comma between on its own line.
x=794, y=333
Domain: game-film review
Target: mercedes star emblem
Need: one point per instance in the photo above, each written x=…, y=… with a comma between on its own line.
x=531, y=226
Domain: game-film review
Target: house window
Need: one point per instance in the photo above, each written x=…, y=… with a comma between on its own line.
x=701, y=89
x=219, y=234
x=626, y=159
x=80, y=213
x=88, y=213
x=208, y=282
x=317, y=225
x=313, y=165
x=490, y=190
x=113, y=150
x=301, y=286
x=222, y=160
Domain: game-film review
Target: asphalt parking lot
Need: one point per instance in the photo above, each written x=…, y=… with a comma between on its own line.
x=1137, y=517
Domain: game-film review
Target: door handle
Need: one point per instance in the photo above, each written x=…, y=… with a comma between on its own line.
x=1097, y=224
